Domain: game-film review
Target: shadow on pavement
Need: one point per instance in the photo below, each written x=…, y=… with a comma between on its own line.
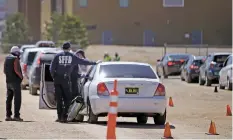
x=3, y=138
x=136, y=125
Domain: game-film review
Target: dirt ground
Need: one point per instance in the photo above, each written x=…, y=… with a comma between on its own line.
x=194, y=107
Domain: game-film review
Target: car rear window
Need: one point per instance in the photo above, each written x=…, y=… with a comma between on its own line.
x=47, y=57
x=127, y=71
x=31, y=57
x=178, y=57
x=198, y=62
x=220, y=58
x=46, y=45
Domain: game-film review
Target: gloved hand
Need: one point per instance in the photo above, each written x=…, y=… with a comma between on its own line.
x=99, y=61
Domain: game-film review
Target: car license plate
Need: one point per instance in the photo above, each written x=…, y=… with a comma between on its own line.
x=131, y=90
x=197, y=71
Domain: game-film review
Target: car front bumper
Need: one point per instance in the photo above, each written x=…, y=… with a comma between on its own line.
x=156, y=104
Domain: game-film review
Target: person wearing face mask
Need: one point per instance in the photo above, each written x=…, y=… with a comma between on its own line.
x=14, y=77
x=77, y=72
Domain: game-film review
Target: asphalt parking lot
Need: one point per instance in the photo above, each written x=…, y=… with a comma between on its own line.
x=194, y=107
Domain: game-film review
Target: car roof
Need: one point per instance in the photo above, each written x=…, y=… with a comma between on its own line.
x=24, y=46
x=52, y=50
x=199, y=57
x=177, y=54
x=124, y=62
x=36, y=49
x=221, y=53
x=44, y=41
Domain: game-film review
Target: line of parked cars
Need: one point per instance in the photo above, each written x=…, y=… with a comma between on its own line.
x=216, y=68
x=31, y=59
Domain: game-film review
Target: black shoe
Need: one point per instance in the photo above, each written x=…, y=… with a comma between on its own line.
x=18, y=119
x=57, y=120
x=8, y=119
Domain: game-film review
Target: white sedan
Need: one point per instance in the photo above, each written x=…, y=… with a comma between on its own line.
x=147, y=100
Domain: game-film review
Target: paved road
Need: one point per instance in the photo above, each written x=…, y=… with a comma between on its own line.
x=195, y=107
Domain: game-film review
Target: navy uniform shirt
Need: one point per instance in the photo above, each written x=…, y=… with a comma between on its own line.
x=63, y=63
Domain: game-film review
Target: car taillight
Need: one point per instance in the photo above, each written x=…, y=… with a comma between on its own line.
x=194, y=67
x=102, y=89
x=182, y=60
x=160, y=91
x=169, y=63
x=38, y=61
x=25, y=68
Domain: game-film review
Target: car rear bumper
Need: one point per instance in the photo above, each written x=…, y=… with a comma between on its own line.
x=173, y=70
x=130, y=105
x=213, y=75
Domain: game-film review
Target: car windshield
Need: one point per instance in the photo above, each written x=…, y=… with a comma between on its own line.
x=126, y=71
x=178, y=57
x=197, y=62
x=31, y=56
x=220, y=58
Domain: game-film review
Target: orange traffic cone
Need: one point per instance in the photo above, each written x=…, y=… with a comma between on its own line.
x=212, y=129
x=167, y=132
x=228, y=111
x=171, y=102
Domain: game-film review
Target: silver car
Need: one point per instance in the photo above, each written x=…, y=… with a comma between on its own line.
x=26, y=61
x=141, y=94
x=225, y=75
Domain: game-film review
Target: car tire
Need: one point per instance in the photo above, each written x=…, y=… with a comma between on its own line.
x=32, y=90
x=207, y=81
x=92, y=118
x=164, y=74
x=188, y=79
x=201, y=82
x=181, y=77
x=23, y=87
x=142, y=119
x=160, y=120
x=229, y=84
x=221, y=86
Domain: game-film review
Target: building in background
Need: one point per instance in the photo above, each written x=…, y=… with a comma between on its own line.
x=155, y=22
x=38, y=12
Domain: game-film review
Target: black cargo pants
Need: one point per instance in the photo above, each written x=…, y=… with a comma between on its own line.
x=63, y=96
x=75, y=87
x=13, y=91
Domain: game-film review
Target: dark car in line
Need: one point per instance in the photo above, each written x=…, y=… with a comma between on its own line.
x=209, y=71
x=42, y=57
x=190, y=69
x=170, y=64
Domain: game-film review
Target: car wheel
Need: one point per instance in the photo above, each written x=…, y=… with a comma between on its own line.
x=201, y=82
x=229, y=84
x=92, y=118
x=142, y=119
x=221, y=86
x=181, y=77
x=164, y=74
x=32, y=90
x=207, y=81
x=160, y=120
x=188, y=79
x=23, y=87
